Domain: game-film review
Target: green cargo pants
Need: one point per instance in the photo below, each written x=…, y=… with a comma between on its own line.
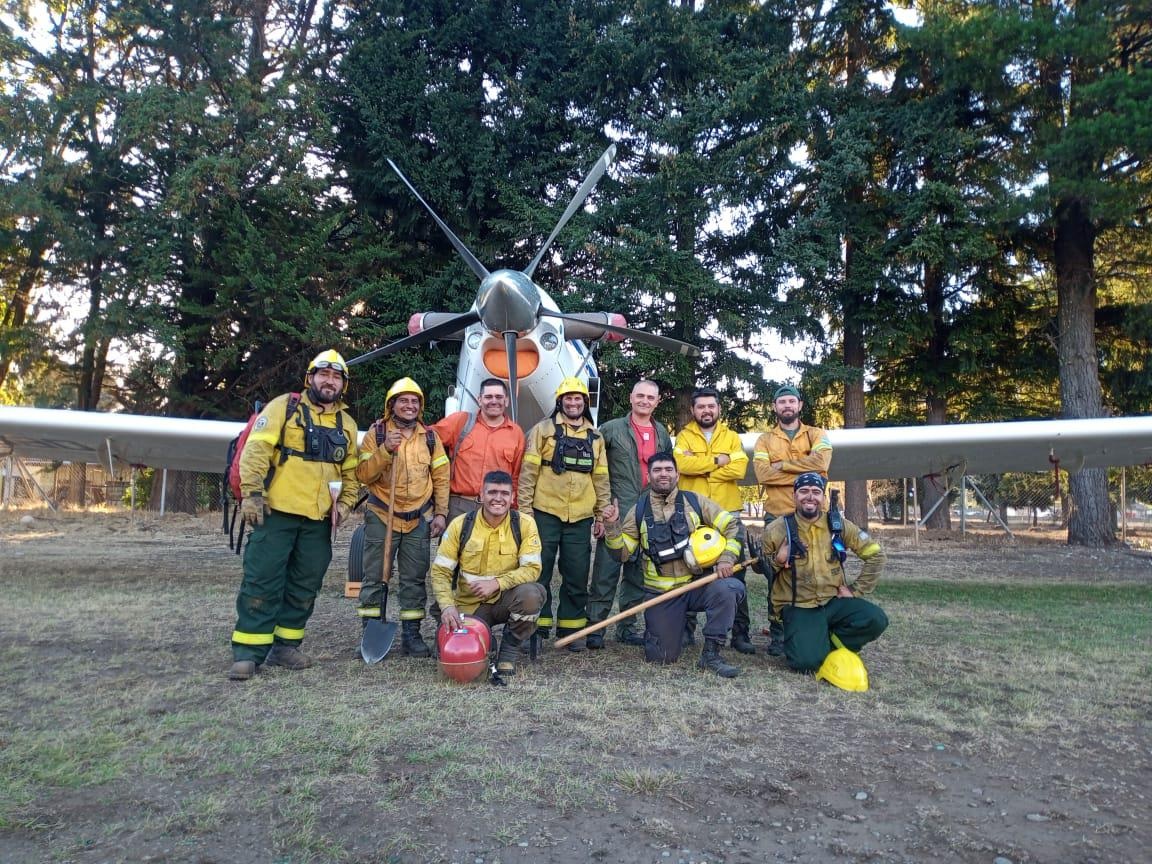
x=410, y=554
x=285, y=560
x=570, y=545
x=607, y=574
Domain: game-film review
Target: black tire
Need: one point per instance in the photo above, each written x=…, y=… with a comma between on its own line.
x=356, y=555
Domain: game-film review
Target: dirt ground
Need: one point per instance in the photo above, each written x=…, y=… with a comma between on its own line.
x=772, y=767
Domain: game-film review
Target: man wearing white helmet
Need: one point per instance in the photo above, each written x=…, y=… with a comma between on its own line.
x=298, y=445
x=663, y=527
x=811, y=592
x=564, y=487
x=405, y=468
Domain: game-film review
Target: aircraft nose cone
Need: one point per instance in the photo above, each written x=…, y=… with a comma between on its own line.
x=508, y=300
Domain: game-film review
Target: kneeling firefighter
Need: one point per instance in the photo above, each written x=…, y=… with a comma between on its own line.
x=819, y=608
x=486, y=568
x=679, y=533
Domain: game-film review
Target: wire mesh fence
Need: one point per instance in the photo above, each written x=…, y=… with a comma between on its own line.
x=78, y=486
x=1012, y=501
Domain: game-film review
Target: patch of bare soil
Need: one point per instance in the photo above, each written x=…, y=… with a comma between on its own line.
x=847, y=785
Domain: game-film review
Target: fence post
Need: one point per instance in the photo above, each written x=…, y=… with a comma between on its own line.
x=163, y=489
x=1123, y=504
x=915, y=515
x=7, y=481
x=963, y=504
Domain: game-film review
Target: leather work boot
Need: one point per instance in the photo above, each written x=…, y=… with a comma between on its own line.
x=630, y=637
x=287, y=657
x=595, y=641
x=242, y=670
x=411, y=642
x=508, y=654
x=741, y=641
x=711, y=660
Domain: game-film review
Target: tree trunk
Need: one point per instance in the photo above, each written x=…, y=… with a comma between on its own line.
x=935, y=488
x=855, y=417
x=1089, y=522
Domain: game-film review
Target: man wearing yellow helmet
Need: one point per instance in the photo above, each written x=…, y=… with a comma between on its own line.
x=404, y=466
x=298, y=445
x=811, y=593
x=564, y=487
x=664, y=527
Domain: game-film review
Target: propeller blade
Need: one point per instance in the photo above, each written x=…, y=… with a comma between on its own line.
x=577, y=202
x=453, y=324
x=510, y=348
x=469, y=259
x=665, y=343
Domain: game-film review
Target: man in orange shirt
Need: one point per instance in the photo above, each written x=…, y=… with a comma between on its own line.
x=479, y=443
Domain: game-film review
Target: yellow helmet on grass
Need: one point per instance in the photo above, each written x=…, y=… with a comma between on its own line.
x=844, y=669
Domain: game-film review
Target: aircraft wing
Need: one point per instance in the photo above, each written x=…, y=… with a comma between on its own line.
x=882, y=452
x=874, y=453
x=133, y=439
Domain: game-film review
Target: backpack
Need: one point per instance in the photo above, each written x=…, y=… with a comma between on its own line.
x=231, y=484
x=466, y=532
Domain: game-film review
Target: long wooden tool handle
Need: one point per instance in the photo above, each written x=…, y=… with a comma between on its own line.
x=647, y=604
x=386, y=566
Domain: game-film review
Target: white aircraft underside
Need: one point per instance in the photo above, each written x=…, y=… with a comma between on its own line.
x=878, y=452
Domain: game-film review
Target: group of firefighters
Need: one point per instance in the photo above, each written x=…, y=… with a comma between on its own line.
x=509, y=508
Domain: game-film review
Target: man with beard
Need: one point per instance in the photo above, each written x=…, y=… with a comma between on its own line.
x=487, y=566
x=478, y=443
x=660, y=526
x=564, y=486
x=780, y=456
x=810, y=590
x=400, y=454
x=712, y=463
x=629, y=443
x=297, y=446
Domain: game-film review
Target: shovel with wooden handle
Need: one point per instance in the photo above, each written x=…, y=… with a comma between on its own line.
x=379, y=634
x=647, y=604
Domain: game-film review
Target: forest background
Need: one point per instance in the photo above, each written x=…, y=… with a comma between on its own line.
x=949, y=215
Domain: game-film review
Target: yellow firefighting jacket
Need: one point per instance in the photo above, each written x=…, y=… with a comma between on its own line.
x=490, y=553
x=298, y=486
x=624, y=537
x=570, y=496
x=699, y=473
x=807, y=450
x=819, y=573
x=422, y=476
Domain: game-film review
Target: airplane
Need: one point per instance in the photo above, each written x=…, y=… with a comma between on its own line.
x=515, y=331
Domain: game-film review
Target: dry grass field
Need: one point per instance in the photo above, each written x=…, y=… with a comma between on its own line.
x=1008, y=720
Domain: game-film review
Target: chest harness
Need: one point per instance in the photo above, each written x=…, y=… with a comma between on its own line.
x=666, y=541
x=405, y=515
x=466, y=532
x=321, y=444
x=797, y=549
x=573, y=454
